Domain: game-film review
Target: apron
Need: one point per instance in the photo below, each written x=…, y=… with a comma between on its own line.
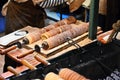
x=20, y=15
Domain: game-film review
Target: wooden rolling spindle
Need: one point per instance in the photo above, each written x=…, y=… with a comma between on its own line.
x=16, y=45
x=38, y=58
x=4, y=51
x=11, y=69
x=27, y=64
x=25, y=54
x=37, y=49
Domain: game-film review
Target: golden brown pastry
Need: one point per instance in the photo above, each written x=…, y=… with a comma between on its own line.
x=62, y=37
x=52, y=76
x=36, y=34
x=55, y=31
x=68, y=74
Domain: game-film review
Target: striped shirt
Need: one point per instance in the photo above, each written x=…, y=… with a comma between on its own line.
x=51, y=3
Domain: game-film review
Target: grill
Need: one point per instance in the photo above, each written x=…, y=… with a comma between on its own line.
x=95, y=61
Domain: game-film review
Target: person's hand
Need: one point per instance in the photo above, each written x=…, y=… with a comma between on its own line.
x=20, y=1
x=37, y=1
x=4, y=9
x=75, y=4
x=69, y=1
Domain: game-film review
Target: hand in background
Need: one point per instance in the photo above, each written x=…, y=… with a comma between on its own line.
x=37, y=1
x=4, y=9
x=75, y=4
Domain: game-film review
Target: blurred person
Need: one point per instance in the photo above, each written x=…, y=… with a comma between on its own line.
x=109, y=11
x=102, y=14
